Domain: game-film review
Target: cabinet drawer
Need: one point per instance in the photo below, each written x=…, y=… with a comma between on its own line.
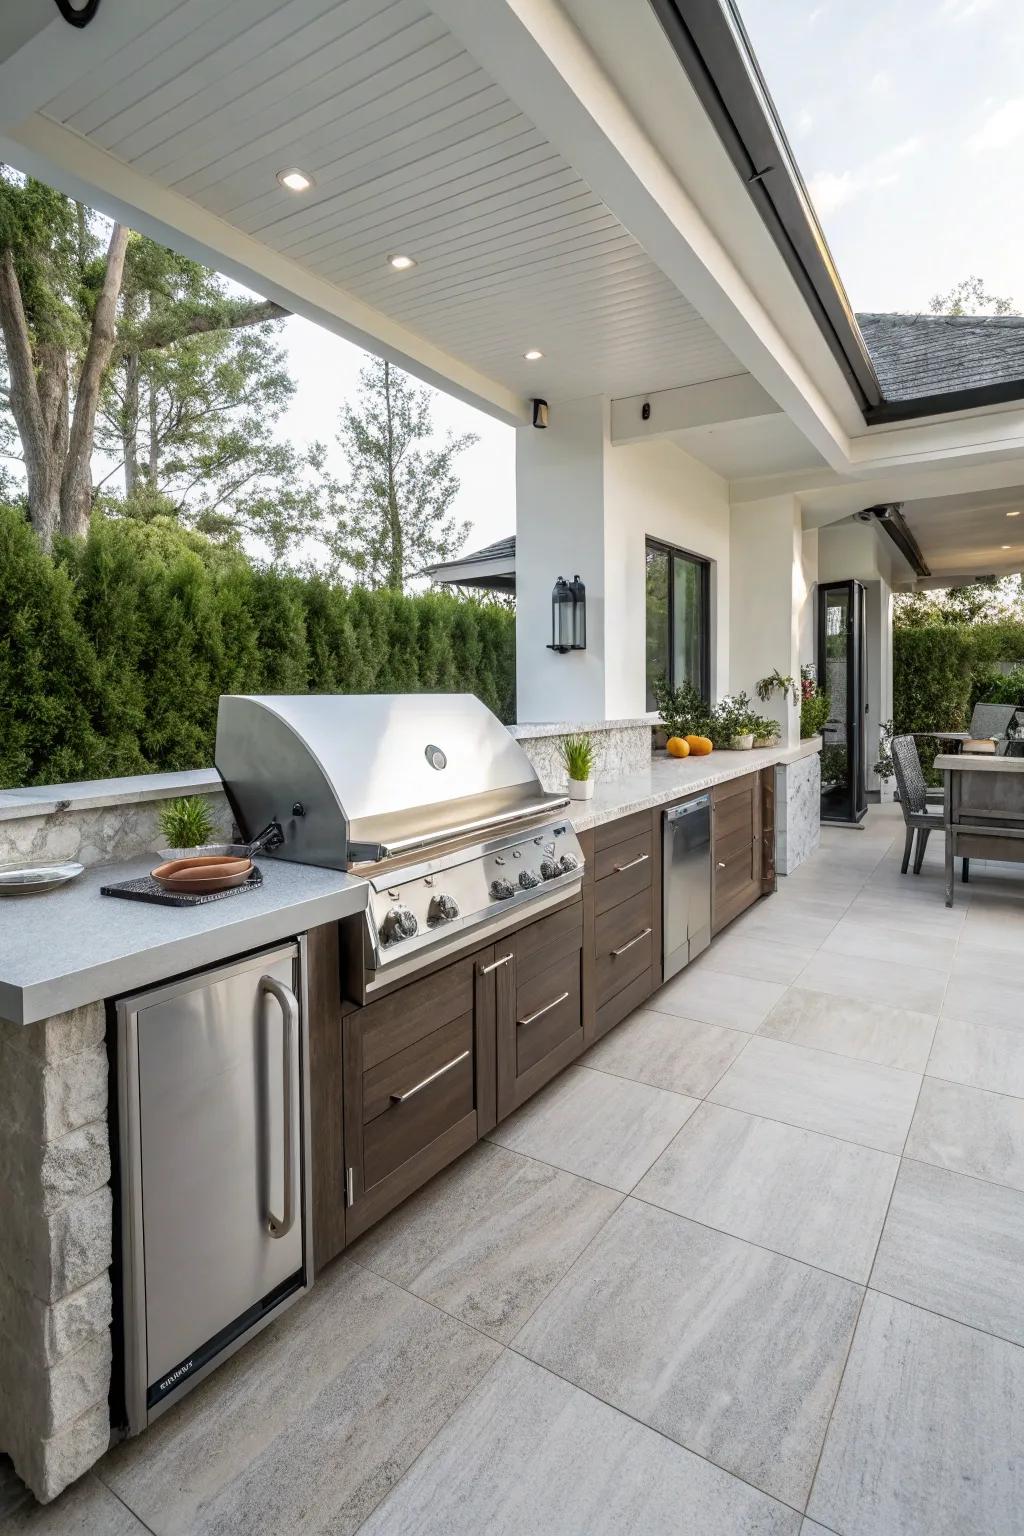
x=415, y=1011
x=610, y=833
x=623, y=942
x=622, y=871
x=547, y=941
x=547, y=1011
x=415, y=1096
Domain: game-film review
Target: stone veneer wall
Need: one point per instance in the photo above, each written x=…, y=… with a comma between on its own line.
x=97, y=835
x=797, y=812
x=620, y=751
x=55, y=1249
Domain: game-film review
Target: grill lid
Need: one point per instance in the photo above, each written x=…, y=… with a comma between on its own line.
x=354, y=776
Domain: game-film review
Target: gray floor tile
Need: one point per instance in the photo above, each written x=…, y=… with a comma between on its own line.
x=980, y=997
x=716, y=997
x=801, y=1193
x=602, y=1127
x=981, y=1055
x=312, y=1423
x=898, y=943
x=779, y=926
x=530, y=1455
x=970, y=1131
x=759, y=958
x=892, y=1037
x=87, y=1508
x=955, y=1245
x=992, y=924
x=906, y=904
x=668, y=1052
x=877, y=981
x=489, y=1237
x=927, y=1432
x=854, y=1100
x=733, y=1351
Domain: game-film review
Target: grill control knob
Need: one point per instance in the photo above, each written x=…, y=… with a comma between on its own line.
x=549, y=869
x=501, y=890
x=567, y=862
x=528, y=878
x=398, y=923
x=442, y=909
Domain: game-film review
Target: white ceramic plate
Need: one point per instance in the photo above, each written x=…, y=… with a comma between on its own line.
x=35, y=879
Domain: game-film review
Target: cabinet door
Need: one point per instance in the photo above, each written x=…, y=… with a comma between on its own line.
x=736, y=848
x=416, y=1088
x=538, y=1005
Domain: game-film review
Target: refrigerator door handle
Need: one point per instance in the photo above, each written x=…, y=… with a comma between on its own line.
x=280, y=1226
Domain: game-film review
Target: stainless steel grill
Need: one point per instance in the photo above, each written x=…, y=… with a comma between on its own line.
x=428, y=794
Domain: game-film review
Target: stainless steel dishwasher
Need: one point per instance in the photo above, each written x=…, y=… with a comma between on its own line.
x=213, y=1128
x=686, y=882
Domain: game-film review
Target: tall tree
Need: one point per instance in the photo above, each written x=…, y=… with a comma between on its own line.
x=969, y=297
x=395, y=514
x=75, y=296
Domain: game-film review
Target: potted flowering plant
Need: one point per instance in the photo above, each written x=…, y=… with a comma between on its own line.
x=734, y=723
x=815, y=705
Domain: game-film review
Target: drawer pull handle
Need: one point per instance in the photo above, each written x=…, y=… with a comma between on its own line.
x=721, y=863
x=538, y=1012
x=623, y=947
x=400, y=1098
x=620, y=869
x=485, y=970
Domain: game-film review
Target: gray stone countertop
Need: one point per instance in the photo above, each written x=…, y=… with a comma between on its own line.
x=73, y=946
x=668, y=778
x=90, y=794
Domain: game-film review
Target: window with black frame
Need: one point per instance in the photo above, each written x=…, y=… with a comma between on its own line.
x=678, y=587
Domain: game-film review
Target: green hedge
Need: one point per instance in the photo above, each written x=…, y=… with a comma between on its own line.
x=113, y=654
x=940, y=671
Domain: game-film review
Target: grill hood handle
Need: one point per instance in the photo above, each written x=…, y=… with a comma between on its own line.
x=266, y=841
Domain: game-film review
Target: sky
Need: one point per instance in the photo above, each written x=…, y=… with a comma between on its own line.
x=906, y=118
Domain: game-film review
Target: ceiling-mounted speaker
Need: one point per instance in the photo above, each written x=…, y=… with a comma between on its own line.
x=540, y=413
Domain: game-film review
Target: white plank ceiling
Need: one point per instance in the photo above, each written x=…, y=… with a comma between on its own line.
x=413, y=150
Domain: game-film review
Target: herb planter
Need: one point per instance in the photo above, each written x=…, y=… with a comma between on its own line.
x=581, y=789
x=742, y=743
x=766, y=741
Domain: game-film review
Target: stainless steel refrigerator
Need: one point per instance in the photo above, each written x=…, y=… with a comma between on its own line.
x=213, y=1133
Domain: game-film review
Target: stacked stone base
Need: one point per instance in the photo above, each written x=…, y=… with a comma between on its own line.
x=55, y=1248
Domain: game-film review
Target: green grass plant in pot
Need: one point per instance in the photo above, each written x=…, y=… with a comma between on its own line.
x=577, y=753
x=186, y=824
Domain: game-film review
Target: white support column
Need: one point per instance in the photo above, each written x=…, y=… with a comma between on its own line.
x=768, y=602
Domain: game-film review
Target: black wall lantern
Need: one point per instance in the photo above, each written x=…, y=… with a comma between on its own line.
x=568, y=616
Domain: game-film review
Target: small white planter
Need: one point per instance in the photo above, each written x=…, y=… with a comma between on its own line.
x=581, y=789
x=742, y=743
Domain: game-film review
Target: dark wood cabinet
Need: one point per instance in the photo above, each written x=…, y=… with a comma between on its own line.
x=624, y=953
x=539, y=1016
x=743, y=844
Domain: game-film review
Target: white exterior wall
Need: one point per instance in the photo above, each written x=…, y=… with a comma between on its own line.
x=585, y=506
x=768, y=602
x=858, y=552
x=656, y=490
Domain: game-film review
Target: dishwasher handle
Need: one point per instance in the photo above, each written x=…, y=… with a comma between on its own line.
x=280, y=1226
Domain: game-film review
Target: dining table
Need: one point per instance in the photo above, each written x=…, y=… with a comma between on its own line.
x=983, y=809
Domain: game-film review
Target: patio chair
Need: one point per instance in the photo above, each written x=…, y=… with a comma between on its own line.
x=993, y=720
x=911, y=786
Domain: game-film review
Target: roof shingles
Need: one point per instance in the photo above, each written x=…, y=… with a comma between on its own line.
x=920, y=355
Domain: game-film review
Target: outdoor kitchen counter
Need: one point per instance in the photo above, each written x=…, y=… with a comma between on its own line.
x=668, y=778
x=73, y=946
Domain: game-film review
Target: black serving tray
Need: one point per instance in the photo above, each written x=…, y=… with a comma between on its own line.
x=145, y=888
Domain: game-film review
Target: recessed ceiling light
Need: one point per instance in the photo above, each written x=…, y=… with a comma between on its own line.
x=533, y=355
x=1013, y=514
x=401, y=263
x=295, y=180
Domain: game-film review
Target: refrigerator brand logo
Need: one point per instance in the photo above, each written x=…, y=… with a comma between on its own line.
x=182, y=1370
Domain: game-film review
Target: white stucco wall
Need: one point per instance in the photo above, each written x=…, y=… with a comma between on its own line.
x=768, y=601
x=585, y=506
x=859, y=552
x=656, y=490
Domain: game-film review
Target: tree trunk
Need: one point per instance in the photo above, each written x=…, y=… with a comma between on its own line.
x=35, y=405
x=396, y=553
x=76, y=481
x=154, y=439
x=130, y=423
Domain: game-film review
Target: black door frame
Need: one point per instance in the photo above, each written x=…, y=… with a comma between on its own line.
x=851, y=809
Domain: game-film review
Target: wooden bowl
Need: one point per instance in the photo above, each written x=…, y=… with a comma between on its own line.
x=197, y=876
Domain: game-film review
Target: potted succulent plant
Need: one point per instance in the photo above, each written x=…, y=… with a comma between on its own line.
x=577, y=753
x=766, y=731
x=185, y=825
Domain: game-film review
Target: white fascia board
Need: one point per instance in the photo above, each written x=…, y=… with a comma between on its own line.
x=44, y=149
x=534, y=52
x=710, y=404
x=465, y=570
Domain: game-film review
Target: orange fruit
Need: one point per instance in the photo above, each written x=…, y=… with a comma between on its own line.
x=700, y=746
x=677, y=747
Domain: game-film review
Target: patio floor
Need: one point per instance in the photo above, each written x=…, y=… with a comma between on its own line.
x=759, y=1254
